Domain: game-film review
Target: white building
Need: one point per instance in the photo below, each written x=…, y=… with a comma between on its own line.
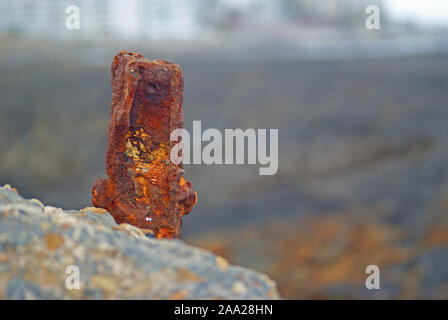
x=123, y=18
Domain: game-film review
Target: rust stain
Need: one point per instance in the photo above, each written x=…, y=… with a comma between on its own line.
x=94, y=210
x=3, y=257
x=179, y=295
x=53, y=240
x=144, y=188
x=185, y=275
x=437, y=236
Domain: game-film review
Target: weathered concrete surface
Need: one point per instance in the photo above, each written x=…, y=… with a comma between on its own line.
x=38, y=242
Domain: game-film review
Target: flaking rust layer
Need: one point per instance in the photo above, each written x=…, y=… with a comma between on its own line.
x=144, y=188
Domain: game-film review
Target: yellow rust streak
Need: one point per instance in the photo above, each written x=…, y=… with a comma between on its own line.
x=142, y=172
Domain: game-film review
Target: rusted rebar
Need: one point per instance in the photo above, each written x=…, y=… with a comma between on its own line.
x=144, y=188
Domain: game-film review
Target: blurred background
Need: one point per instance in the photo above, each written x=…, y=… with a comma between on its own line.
x=362, y=118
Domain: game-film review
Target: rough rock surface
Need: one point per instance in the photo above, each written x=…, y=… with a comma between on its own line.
x=38, y=243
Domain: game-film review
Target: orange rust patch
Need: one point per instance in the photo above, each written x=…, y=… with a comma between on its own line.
x=184, y=275
x=179, y=295
x=53, y=240
x=437, y=236
x=3, y=257
x=94, y=210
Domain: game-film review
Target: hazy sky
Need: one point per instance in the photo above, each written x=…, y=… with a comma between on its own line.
x=429, y=12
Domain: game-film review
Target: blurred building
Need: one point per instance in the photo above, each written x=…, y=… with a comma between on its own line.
x=329, y=12
x=130, y=18
x=47, y=17
x=172, y=18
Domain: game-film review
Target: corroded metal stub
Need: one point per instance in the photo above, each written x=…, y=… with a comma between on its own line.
x=144, y=188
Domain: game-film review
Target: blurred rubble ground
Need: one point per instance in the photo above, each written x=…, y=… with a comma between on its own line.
x=362, y=159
